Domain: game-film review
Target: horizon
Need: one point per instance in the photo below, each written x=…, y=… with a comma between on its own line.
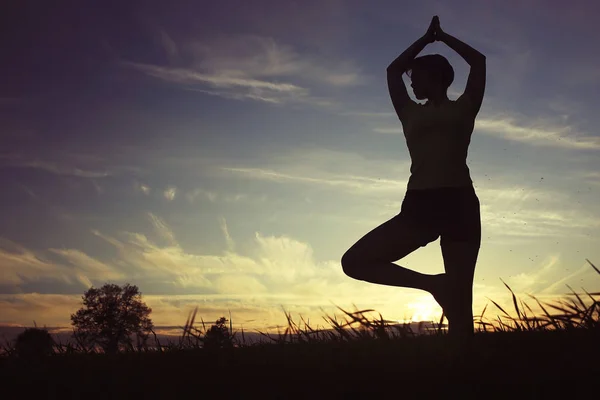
x=226, y=157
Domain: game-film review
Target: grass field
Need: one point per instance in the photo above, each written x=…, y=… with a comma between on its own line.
x=552, y=355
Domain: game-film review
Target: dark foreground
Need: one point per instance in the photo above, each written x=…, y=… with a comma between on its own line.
x=514, y=365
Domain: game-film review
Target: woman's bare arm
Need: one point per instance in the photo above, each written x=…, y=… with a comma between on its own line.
x=398, y=92
x=476, y=81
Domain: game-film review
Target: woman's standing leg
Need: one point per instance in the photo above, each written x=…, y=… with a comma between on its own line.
x=460, y=243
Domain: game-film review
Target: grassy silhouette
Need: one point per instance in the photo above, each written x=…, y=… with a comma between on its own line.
x=537, y=355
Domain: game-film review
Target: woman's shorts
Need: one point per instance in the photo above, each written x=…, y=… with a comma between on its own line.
x=451, y=213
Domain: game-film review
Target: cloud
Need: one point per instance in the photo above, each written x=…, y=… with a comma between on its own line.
x=237, y=284
x=55, y=168
x=585, y=273
x=534, y=281
x=162, y=229
x=108, y=239
x=30, y=192
x=548, y=280
x=209, y=195
x=592, y=177
x=88, y=268
x=232, y=87
x=45, y=309
x=538, y=134
x=142, y=187
x=188, y=76
x=350, y=182
x=242, y=96
x=508, y=210
x=237, y=197
x=169, y=45
x=338, y=172
x=252, y=67
x=99, y=189
x=276, y=272
x=230, y=242
x=522, y=211
x=265, y=57
x=169, y=193
x=543, y=133
x=21, y=265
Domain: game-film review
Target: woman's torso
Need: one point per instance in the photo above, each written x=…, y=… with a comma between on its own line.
x=438, y=139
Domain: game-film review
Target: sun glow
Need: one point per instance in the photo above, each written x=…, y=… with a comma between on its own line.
x=424, y=308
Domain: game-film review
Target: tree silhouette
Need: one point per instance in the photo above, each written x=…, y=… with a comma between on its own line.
x=34, y=342
x=110, y=315
x=218, y=336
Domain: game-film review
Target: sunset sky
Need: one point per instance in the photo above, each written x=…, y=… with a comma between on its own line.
x=225, y=154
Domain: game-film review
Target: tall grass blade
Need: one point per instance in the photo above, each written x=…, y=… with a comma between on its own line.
x=514, y=298
x=500, y=308
x=593, y=266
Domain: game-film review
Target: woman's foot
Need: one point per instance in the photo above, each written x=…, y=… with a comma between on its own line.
x=442, y=294
x=460, y=320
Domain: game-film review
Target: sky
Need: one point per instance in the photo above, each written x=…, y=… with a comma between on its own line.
x=225, y=154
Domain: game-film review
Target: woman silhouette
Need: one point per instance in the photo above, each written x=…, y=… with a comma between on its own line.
x=440, y=200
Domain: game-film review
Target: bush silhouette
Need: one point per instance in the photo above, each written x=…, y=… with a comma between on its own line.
x=34, y=342
x=218, y=336
x=110, y=315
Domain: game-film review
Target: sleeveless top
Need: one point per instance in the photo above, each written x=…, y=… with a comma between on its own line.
x=438, y=139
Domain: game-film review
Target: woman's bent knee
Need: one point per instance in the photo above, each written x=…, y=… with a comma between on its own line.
x=351, y=265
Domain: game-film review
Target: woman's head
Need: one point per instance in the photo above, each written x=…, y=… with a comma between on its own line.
x=430, y=75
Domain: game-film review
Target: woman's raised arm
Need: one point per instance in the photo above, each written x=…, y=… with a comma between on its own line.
x=398, y=92
x=476, y=81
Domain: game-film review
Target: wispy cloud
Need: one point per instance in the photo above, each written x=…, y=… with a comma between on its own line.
x=209, y=195
x=543, y=133
x=169, y=193
x=99, y=189
x=162, y=229
x=188, y=76
x=548, y=277
x=55, y=167
x=236, y=198
x=43, y=308
x=276, y=271
x=539, y=134
x=584, y=274
x=281, y=265
x=30, y=192
x=592, y=177
x=21, y=265
x=252, y=67
x=347, y=181
x=142, y=187
x=169, y=45
x=88, y=268
x=233, y=86
x=259, y=56
x=242, y=96
x=225, y=230
x=520, y=211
